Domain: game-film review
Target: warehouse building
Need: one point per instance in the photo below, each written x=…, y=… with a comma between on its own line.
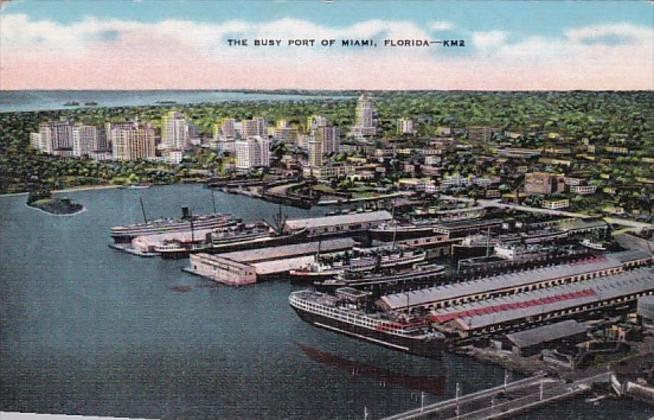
x=340, y=224
x=444, y=296
x=246, y=267
x=532, y=341
x=546, y=305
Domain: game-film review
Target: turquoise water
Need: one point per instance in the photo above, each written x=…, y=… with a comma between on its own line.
x=85, y=329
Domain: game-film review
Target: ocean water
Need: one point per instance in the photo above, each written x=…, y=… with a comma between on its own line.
x=85, y=329
x=35, y=100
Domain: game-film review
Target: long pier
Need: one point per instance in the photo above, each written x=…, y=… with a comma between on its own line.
x=505, y=400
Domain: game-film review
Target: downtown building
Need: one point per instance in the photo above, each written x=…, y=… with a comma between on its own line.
x=252, y=152
x=365, y=113
x=89, y=140
x=175, y=137
x=254, y=127
x=174, y=131
x=54, y=137
x=132, y=141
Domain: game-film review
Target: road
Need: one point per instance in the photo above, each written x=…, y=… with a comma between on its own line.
x=497, y=204
x=518, y=396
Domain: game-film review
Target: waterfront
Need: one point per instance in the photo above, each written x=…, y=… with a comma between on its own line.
x=90, y=330
x=46, y=100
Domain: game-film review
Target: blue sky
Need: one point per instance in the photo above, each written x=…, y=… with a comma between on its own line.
x=541, y=18
x=145, y=43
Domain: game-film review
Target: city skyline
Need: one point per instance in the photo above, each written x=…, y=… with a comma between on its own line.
x=509, y=46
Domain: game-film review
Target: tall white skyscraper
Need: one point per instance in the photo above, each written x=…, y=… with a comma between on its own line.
x=252, y=152
x=365, y=112
x=174, y=131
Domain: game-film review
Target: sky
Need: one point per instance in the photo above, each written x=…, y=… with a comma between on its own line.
x=183, y=44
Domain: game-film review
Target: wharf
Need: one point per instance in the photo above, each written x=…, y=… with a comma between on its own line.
x=505, y=400
x=127, y=247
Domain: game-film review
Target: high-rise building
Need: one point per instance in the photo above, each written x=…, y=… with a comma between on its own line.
x=365, y=113
x=284, y=133
x=315, y=121
x=132, y=141
x=226, y=129
x=174, y=131
x=405, y=126
x=254, y=127
x=252, y=152
x=329, y=137
x=87, y=139
x=54, y=137
x=315, y=152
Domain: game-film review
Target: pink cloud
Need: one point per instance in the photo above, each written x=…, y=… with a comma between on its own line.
x=179, y=54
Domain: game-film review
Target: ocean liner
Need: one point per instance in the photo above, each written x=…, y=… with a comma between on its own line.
x=237, y=237
x=125, y=234
x=342, y=314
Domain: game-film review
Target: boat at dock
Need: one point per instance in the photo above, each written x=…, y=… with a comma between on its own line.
x=126, y=233
x=417, y=275
x=364, y=260
x=344, y=313
x=238, y=237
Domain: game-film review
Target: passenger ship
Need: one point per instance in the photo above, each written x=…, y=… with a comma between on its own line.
x=125, y=234
x=339, y=314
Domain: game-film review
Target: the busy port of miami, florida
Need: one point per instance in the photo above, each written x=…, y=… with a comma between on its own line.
x=522, y=261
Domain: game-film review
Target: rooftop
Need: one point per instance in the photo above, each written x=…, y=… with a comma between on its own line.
x=314, y=222
x=510, y=308
x=286, y=251
x=538, y=335
x=506, y=281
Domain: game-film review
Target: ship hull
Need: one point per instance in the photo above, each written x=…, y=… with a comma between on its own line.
x=387, y=235
x=420, y=347
x=236, y=246
x=120, y=235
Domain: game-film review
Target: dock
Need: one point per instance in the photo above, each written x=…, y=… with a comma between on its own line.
x=505, y=400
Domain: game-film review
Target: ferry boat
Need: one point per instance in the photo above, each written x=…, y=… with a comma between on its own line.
x=342, y=314
x=124, y=234
x=366, y=260
x=417, y=275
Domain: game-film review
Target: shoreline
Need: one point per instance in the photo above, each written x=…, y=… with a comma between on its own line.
x=82, y=210
x=65, y=190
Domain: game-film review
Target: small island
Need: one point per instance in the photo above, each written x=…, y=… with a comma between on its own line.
x=43, y=200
